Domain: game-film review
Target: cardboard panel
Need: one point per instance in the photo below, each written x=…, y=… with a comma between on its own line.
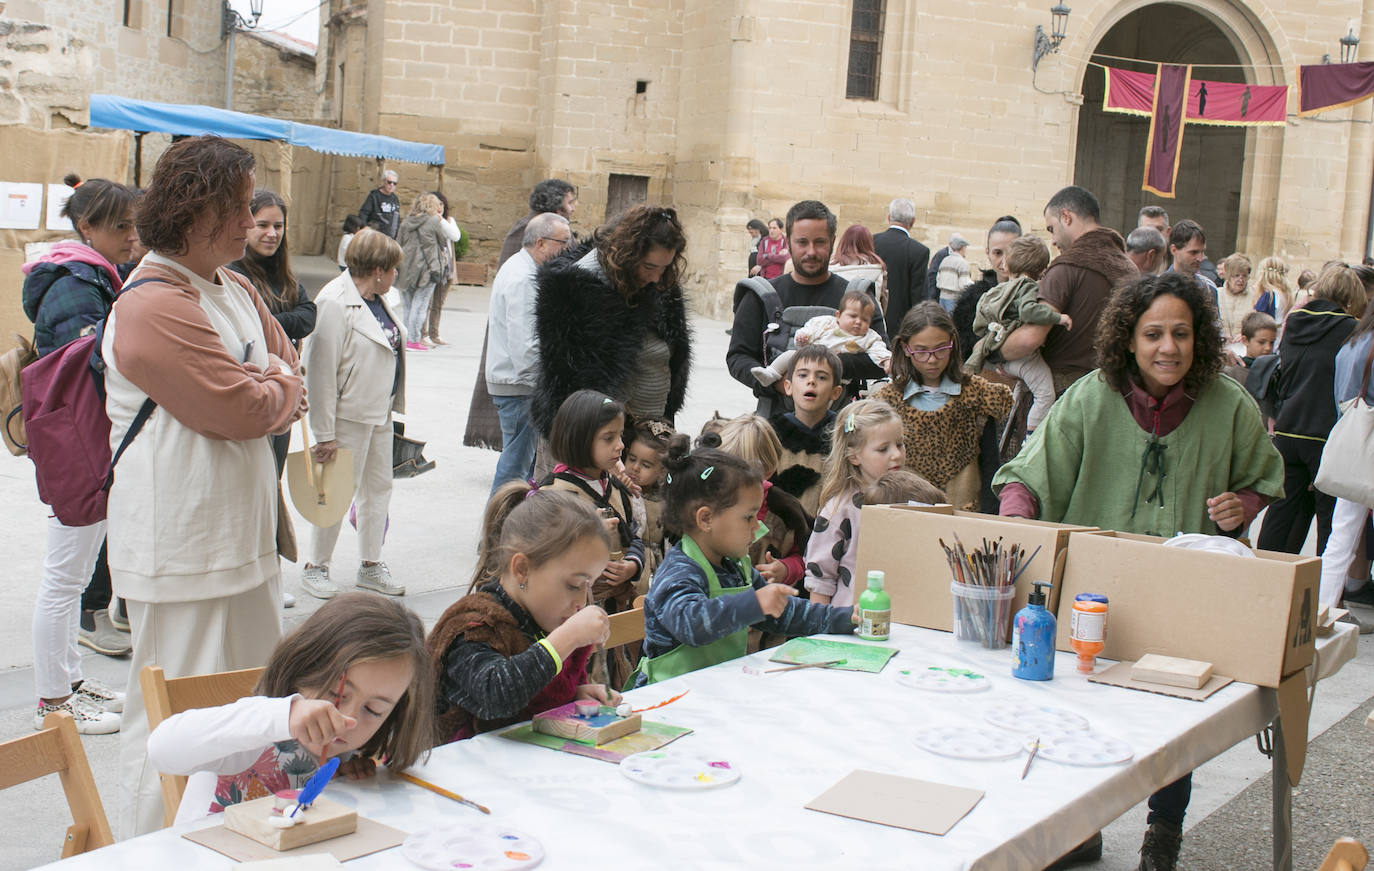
x=904, y=542
x=1253, y=619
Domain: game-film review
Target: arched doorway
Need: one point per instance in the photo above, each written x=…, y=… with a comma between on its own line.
x=1110, y=159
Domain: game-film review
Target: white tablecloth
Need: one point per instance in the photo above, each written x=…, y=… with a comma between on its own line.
x=793, y=735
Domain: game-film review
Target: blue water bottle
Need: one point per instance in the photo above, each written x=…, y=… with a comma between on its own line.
x=1032, y=638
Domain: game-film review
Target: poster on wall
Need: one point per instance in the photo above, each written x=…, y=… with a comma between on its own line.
x=21, y=205
x=57, y=198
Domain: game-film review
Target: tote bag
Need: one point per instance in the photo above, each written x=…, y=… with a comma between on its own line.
x=1347, y=466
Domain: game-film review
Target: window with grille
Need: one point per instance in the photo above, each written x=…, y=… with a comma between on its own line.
x=865, y=49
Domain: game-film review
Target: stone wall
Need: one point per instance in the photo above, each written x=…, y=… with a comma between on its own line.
x=273, y=77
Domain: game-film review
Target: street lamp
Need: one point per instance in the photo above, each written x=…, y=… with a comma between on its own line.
x=1045, y=43
x=232, y=20
x=1350, y=47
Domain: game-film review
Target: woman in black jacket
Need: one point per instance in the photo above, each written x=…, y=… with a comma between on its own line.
x=1312, y=335
x=610, y=316
x=267, y=263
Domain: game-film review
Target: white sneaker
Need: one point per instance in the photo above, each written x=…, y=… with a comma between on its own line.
x=89, y=719
x=315, y=580
x=100, y=695
x=377, y=577
x=288, y=600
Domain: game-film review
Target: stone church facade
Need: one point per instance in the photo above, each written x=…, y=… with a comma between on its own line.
x=732, y=109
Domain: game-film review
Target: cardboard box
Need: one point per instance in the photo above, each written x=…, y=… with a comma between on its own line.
x=904, y=542
x=1255, y=619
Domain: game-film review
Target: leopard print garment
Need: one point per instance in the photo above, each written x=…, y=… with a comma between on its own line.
x=941, y=443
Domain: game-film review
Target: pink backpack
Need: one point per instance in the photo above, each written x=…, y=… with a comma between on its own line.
x=69, y=433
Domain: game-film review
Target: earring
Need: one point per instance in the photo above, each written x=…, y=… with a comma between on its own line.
x=88, y=243
x=522, y=585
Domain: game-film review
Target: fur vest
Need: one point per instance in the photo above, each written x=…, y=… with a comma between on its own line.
x=590, y=336
x=802, y=462
x=482, y=618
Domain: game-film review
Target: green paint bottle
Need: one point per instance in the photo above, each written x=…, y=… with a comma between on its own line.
x=875, y=610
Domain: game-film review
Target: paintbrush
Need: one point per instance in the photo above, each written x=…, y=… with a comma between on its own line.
x=441, y=791
x=807, y=665
x=1026, y=564
x=1035, y=748
x=338, y=697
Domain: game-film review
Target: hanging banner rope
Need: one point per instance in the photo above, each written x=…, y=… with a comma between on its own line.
x=1226, y=104
x=1322, y=87
x=1166, y=129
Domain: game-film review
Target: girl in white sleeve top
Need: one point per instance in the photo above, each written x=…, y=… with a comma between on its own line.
x=352, y=681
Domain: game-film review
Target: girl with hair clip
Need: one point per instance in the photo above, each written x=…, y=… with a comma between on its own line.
x=646, y=448
x=706, y=595
x=778, y=553
x=519, y=642
x=353, y=681
x=943, y=409
x=865, y=445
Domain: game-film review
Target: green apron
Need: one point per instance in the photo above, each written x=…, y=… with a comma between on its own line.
x=685, y=658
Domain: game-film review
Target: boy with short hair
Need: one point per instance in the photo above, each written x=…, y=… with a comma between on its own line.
x=1258, y=331
x=848, y=331
x=813, y=382
x=1008, y=306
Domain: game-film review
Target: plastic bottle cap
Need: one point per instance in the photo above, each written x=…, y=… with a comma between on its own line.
x=875, y=580
x=1090, y=597
x=1037, y=596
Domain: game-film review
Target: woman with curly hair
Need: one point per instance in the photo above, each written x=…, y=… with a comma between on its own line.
x=611, y=317
x=1153, y=442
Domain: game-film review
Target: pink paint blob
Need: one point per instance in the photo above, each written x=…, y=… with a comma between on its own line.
x=719, y=764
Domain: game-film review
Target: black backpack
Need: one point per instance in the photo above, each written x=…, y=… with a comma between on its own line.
x=1262, y=382
x=780, y=324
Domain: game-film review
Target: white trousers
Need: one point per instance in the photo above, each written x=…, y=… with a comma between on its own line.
x=1347, y=531
x=371, y=447
x=1035, y=372
x=67, y=567
x=185, y=638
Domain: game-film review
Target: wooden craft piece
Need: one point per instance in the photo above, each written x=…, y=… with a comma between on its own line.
x=605, y=726
x=321, y=821
x=1172, y=671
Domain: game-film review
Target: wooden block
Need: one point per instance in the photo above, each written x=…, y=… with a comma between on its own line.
x=563, y=722
x=324, y=819
x=1171, y=671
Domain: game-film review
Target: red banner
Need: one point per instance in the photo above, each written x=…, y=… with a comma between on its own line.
x=1229, y=104
x=1172, y=87
x=1330, y=86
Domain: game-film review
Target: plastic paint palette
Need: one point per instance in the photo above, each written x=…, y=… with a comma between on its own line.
x=476, y=845
x=1087, y=749
x=669, y=769
x=943, y=680
x=1029, y=719
x=964, y=742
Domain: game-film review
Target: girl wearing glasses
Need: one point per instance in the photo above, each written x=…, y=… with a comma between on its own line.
x=943, y=408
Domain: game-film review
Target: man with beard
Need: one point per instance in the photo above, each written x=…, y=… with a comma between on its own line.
x=810, y=228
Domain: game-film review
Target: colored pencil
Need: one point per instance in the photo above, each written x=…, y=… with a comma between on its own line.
x=441, y=791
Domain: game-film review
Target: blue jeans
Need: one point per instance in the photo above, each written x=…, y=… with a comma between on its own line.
x=947, y=304
x=518, y=440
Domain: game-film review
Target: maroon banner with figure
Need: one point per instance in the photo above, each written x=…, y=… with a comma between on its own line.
x=1166, y=129
x=1227, y=104
x=1331, y=86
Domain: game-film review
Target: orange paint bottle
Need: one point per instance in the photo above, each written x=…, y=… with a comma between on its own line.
x=1088, y=629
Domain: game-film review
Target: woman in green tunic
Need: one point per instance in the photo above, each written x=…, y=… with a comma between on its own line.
x=1156, y=441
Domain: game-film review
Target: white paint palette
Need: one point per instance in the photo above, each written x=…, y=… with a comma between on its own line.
x=1031, y=719
x=679, y=769
x=478, y=845
x=1086, y=749
x=935, y=679
x=965, y=742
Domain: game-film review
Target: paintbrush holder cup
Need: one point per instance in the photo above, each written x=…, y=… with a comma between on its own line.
x=982, y=615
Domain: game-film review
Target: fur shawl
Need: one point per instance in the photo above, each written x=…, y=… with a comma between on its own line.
x=590, y=337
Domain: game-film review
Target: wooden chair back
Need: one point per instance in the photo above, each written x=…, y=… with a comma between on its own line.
x=1348, y=854
x=57, y=750
x=626, y=627
x=163, y=697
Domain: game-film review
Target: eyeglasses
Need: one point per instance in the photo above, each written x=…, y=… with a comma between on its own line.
x=929, y=353
x=556, y=239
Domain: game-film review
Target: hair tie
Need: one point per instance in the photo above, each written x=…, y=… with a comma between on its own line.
x=706, y=473
x=669, y=479
x=659, y=428
x=849, y=423
x=606, y=400
x=534, y=487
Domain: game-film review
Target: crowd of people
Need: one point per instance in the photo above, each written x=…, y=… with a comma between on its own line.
x=1122, y=383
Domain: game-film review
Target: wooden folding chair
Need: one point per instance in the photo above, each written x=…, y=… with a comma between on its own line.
x=1347, y=855
x=626, y=627
x=162, y=698
x=57, y=750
